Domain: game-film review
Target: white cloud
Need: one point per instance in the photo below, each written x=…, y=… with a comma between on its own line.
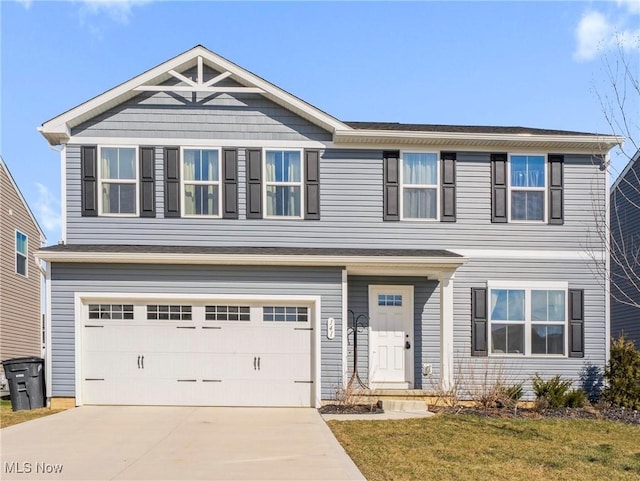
x=592, y=34
x=47, y=208
x=597, y=32
x=118, y=10
x=26, y=3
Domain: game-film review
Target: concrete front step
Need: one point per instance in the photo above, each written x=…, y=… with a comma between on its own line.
x=399, y=405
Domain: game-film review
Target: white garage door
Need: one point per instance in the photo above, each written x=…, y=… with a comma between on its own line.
x=207, y=354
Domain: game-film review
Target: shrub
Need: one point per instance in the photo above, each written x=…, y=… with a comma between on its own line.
x=591, y=381
x=554, y=391
x=575, y=398
x=508, y=396
x=623, y=375
x=514, y=392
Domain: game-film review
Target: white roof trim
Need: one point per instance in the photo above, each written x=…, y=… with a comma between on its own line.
x=626, y=169
x=24, y=202
x=57, y=130
x=405, y=262
x=600, y=143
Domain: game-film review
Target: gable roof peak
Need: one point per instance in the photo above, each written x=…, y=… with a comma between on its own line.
x=58, y=129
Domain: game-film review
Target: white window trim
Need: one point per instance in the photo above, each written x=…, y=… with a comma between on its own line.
x=26, y=255
x=200, y=182
x=266, y=183
x=435, y=186
x=528, y=286
x=544, y=189
x=135, y=181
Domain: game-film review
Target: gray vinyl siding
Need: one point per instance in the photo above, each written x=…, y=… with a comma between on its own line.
x=579, y=275
x=67, y=279
x=224, y=116
x=207, y=116
x=351, y=213
x=426, y=340
x=625, y=265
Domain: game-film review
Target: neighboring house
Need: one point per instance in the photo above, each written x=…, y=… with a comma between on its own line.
x=625, y=252
x=20, y=275
x=218, y=230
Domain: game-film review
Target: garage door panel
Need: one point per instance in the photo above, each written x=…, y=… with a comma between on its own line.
x=296, y=367
x=139, y=337
x=197, y=362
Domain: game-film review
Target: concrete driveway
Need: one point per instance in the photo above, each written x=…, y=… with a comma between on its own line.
x=176, y=443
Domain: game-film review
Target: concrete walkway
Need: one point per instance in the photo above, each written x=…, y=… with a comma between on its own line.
x=175, y=443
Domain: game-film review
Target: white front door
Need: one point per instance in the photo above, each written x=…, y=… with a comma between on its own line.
x=391, y=347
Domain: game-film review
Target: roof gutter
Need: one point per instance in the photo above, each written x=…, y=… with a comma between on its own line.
x=444, y=263
x=602, y=142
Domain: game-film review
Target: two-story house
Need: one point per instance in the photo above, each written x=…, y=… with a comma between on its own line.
x=20, y=275
x=221, y=235
x=625, y=252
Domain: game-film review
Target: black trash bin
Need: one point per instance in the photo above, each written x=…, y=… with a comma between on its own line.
x=26, y=382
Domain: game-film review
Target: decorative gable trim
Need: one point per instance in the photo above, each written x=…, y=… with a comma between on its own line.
x=58, y=129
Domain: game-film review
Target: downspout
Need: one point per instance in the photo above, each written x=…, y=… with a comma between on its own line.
x=48, y=370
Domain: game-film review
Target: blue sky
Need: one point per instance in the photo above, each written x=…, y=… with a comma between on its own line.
x=534, y=64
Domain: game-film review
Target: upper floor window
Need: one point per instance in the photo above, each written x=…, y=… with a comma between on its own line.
x=21, y=253
x=528, y=320
x=419, y=185
x=283, y=183
x=201, y=182
x=528, y=187
x=118, y=180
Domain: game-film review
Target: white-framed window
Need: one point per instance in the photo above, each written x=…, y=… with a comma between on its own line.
x=528, y=319
x=285, y=314
x=22, y=253
x=201, y=173
x=528, y=187
x=168, y=312
x=227, y=313
x=111, y=311
x=283, y=174
x=420, y=193
x=118, y=175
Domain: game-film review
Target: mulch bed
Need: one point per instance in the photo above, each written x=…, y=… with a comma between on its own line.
x=611, y=414
x=351, y=409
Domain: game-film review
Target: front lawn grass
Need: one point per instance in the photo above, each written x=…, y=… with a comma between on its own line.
x=9, y=417
x=463, y=447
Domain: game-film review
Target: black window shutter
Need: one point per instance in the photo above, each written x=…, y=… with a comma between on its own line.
x=391, y=202
x=448, y=209
x=254, y=184
x=171, y=182
x=147, y=182
x=230, y=184
x=498, y=187
x=89, y=174
x=576, y=323
x=479, y=322
x=312, y=184
x=556, y=187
